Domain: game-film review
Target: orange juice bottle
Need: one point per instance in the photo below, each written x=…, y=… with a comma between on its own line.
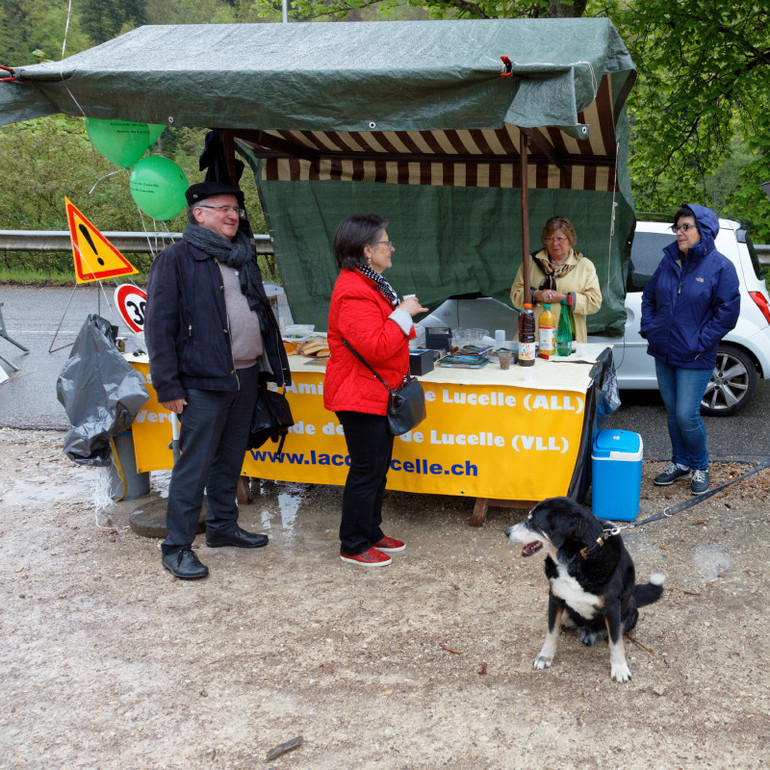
x=546, y=329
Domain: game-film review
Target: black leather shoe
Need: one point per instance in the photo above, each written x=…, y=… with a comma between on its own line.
x=239, y=539
x=184, y=564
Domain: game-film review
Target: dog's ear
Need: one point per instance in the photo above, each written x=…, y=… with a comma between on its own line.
x=562, y=522
x=562, y=529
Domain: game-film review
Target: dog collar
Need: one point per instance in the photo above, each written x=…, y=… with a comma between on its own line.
x=600, y=541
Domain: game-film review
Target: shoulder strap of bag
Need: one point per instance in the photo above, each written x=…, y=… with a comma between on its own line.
x=356, y=354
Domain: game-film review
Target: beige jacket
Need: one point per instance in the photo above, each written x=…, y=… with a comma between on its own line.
x=582, y=281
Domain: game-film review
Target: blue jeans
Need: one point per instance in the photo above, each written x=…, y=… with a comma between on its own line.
x=682, y=391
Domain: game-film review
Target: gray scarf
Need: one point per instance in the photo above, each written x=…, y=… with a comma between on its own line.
x=238, y=253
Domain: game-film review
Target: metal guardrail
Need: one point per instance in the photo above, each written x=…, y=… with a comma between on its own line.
x=147, y=243
x=763, y=252
x=132, y=243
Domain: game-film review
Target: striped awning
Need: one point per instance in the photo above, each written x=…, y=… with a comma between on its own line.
x=456, y=158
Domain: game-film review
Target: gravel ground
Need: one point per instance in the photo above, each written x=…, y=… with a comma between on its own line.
x=109, y=662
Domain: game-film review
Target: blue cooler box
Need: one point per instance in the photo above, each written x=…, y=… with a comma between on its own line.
x=616, y=470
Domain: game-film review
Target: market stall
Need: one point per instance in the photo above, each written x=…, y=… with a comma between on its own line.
x=503, y=435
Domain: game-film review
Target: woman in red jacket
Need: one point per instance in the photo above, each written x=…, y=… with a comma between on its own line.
x=365, y=311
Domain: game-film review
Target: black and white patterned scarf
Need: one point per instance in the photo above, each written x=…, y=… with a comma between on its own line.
x=383, y=286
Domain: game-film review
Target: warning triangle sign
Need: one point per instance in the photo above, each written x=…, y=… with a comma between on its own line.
x=95, y=257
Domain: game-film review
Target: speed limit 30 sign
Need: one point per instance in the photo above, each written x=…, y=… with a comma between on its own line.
x=130, y=301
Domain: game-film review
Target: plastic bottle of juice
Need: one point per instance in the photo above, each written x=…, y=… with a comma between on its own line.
x=564, y=332
x=527, y=336
x=546, y=330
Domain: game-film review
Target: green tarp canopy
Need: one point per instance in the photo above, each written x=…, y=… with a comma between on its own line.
x=422, y=122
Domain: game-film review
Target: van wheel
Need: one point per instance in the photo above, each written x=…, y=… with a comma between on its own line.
x=732, y=383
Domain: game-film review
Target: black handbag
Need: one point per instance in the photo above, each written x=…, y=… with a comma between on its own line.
x=406, y=405
x=272, y=419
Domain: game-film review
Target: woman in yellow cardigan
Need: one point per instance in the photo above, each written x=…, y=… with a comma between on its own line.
x=557, y=270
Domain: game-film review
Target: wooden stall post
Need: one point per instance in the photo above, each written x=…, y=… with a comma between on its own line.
x=524, y=180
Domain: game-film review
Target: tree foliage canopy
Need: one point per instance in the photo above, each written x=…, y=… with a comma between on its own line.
x=700, y=110
x=701, y=107
x=102, y=20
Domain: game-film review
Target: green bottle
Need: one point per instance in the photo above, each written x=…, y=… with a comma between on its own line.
x=571, y=313
x=563, y=332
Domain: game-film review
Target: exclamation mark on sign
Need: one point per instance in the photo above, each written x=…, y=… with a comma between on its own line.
x=87, y=235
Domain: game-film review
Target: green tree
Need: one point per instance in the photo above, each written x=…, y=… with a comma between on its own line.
x=191, y=12
x=102, y=20
x=702, y=94
x=34, y=29
x=47, y=159
x=439, y=9
x=44, y=160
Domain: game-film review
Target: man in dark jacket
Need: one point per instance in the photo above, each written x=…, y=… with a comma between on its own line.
x=689, y=304
x=210, y=335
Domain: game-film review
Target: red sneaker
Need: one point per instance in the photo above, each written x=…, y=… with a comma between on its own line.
x=370, y=558
x=389, y=545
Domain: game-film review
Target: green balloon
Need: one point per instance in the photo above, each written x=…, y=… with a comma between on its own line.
x=120, y=141
x=158, y=186
x=156, y=129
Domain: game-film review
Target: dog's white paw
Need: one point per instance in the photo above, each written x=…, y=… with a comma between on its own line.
x=542, y=661
x=620, y=672
x=588, y=638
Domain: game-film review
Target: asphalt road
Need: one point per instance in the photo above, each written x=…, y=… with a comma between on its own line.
x=28, y=399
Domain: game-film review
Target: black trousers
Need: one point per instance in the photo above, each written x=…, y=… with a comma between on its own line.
x=370, y=446
x=213, y=436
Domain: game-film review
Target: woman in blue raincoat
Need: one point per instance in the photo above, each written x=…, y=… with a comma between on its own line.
x=688, y=305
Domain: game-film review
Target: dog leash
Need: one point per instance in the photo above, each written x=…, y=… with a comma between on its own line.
x=667, y=513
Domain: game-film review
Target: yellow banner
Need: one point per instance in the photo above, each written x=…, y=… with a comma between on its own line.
x=151, y=430
x=480, y=441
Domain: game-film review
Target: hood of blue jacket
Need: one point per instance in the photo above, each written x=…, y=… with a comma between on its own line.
x=708, y=224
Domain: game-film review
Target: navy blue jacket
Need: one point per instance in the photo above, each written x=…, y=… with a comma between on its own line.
x=688, y=308
x=186, y=327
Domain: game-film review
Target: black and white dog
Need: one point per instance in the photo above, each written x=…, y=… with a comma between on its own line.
x=591, y=575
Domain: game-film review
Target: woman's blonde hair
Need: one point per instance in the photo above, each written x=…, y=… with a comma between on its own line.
x=559, y=223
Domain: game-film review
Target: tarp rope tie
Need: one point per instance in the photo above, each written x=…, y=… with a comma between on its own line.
x=61, y=63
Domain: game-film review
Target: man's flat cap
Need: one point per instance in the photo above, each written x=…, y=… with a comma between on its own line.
x=203, y=190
